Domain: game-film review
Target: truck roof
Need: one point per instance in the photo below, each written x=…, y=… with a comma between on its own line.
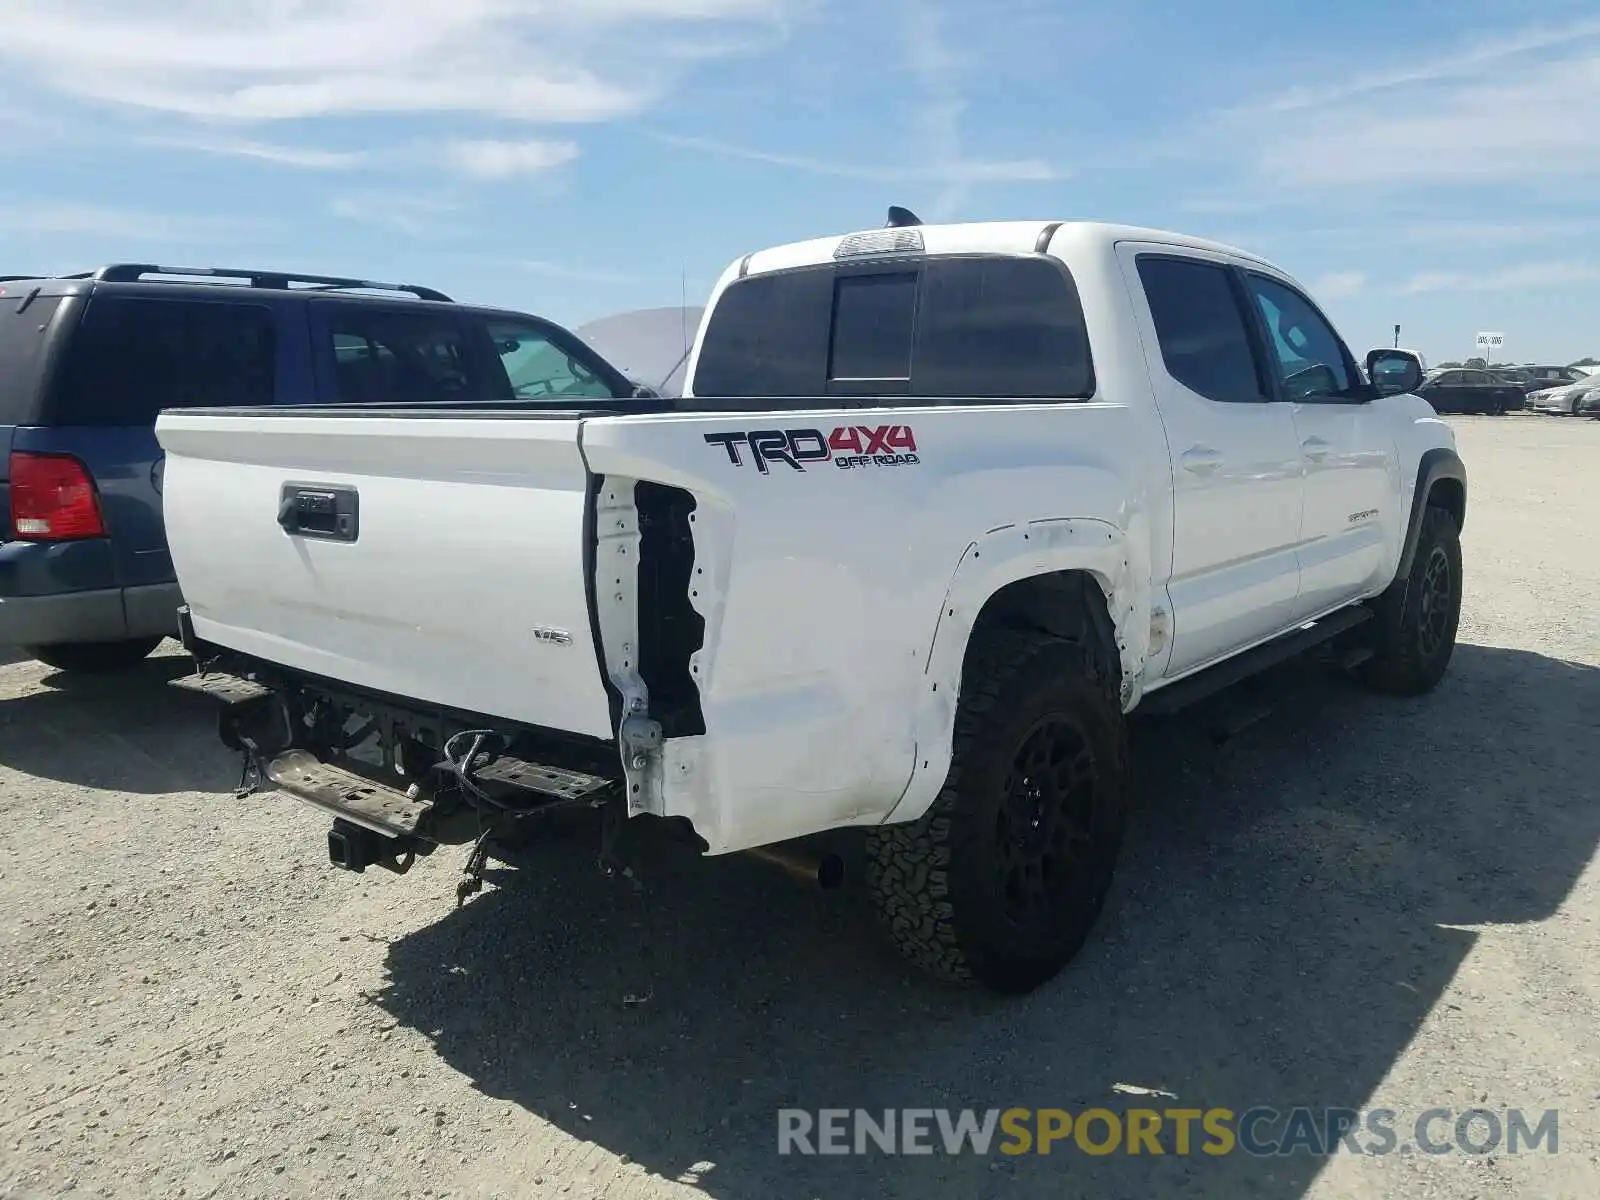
x=979, y=237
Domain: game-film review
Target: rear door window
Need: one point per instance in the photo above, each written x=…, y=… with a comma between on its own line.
x=22, y=340
x=132, y=356
x=1202, y=329
x=399, y=356
x=978, y=328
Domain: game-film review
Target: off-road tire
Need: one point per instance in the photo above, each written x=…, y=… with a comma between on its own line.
x=94, y=657
x=940, y=883
x=1415, y=619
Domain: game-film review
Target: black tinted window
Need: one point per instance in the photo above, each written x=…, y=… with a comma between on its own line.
x=980, y=328
x=133, y=356
x=1003, y=328
x=399, y=356
x=1204, y=341
x=21, y=356
x=872, y=324
x=768, y=336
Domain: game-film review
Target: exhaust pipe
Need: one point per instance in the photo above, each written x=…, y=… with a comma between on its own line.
x=826, y=872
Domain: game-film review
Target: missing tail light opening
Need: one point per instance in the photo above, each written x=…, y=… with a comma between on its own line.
x=670, y=630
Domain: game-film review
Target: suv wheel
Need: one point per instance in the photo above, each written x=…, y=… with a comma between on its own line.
x=94, y=656
x=1417, y=617
x=1002, y=879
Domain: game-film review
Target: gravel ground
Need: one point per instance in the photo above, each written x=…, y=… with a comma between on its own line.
x=1356, y=902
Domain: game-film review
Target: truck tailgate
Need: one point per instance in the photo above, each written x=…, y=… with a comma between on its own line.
x=435, y=556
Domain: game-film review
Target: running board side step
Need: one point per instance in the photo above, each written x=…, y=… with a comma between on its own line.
x=1168, y=700
x=231, y=691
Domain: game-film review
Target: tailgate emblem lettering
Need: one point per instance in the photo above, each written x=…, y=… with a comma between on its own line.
x=551, y=636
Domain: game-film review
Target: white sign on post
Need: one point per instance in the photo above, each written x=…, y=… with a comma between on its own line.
x=1491, y=342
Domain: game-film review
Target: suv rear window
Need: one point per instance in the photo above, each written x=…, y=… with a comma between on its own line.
x=132, y=356
x=975, y=328
x=22, y=338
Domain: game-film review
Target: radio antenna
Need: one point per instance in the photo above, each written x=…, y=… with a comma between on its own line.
x=683, y=318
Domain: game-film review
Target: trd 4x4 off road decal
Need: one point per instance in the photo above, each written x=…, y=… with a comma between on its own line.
x=847, y=447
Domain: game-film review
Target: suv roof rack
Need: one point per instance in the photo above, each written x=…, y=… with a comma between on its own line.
x=134, y=272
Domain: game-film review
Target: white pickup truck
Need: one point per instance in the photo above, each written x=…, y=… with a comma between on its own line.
x=940, y=508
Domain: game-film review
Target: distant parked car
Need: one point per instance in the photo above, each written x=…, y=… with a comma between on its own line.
x=1463, y=390
x=1518, y=379
x=1573, y=399
x=1551, y=377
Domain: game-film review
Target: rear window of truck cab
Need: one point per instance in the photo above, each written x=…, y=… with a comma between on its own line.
x=947, y=328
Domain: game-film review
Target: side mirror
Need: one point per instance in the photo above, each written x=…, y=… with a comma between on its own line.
x=1393, y=372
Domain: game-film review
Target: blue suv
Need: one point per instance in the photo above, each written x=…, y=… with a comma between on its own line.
x=87, y=361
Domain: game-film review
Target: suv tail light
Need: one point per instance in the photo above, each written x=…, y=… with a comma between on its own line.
x=53, y=499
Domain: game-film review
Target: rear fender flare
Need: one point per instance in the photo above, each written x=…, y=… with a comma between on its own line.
x=1004, y=556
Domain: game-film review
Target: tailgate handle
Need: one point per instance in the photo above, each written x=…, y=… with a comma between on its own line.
x=319, y=511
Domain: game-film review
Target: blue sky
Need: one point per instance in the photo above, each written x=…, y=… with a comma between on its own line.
x=1433, y=164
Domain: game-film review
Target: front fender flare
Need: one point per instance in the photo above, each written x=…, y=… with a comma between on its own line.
x=1436, y=464
x=1116, y=559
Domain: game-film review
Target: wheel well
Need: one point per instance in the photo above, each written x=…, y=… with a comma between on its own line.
x=1067, y=604
x=1450, y=495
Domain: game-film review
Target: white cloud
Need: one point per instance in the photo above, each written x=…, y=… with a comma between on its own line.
x=413, y=214
x=934, y=154
x=1522, y=131
x=1467, y=60
x=936, y=69
x=271, y=152
x=1522, y=276
x=195, y=65
x=1509, y=109
x=490, y=159
x=937, y=62
x=477, y=158
x=1341, y=285
x=99, y=221
x=1029, y=170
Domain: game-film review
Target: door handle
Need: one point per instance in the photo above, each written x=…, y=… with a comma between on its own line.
x=1315, y=449
x=1200, y=460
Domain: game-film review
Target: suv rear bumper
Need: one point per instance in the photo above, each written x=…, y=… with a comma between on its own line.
x=101, y=615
